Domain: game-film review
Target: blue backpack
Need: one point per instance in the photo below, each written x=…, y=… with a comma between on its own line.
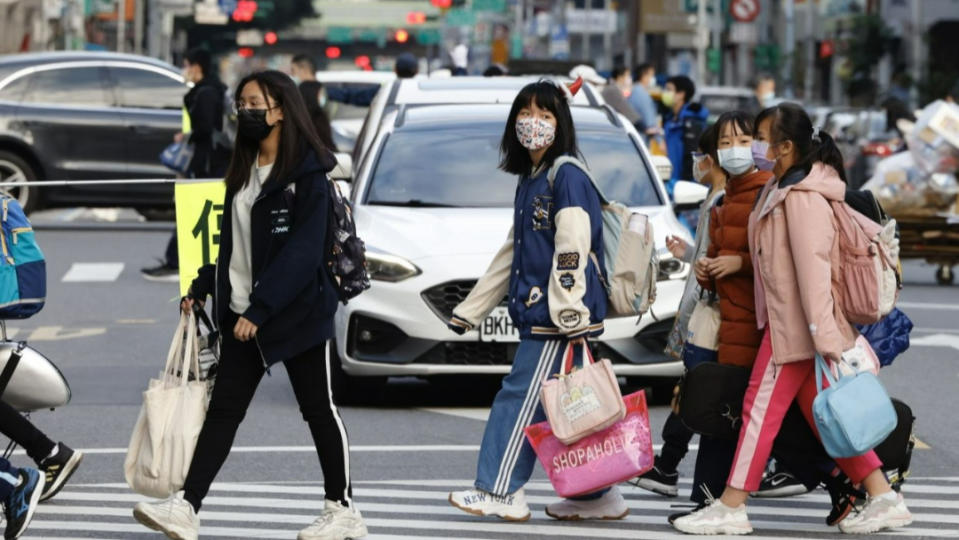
x=23, y=271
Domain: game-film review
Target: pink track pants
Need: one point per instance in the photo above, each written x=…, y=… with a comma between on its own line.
x=772, y=389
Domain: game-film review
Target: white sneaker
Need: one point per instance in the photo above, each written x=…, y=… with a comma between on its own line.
x=610, y=506
x=879, y=514
x=174, y=517
x=511, y=507
x=716, y=518
x=336, y=522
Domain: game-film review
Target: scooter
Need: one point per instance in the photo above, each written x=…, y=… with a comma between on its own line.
x=29, y=381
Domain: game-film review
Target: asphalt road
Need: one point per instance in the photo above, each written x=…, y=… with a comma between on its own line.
x=417, y=442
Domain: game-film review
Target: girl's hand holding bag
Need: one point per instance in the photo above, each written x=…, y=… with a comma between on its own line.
x=581, y=402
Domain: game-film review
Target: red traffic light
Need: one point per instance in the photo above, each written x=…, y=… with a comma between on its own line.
x=245, y=52
x=442, y=4
x=245, y=10
x=415, y=17
x=270, y=38
x=402, y=36
x=333, y=52
x=362, y=61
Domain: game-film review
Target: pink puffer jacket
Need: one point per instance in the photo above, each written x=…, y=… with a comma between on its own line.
x=794, y=247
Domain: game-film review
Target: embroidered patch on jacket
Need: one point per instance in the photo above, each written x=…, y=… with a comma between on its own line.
x=535, y=295
x=567, y=261
x=542, y=208
x=567, y=281
x=569, y=318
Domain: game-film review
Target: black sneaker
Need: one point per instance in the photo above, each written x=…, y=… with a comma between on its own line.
x=779, y=483
x=845, y=498
x=58, y=470
x=657, y=481
x=162, y=272
x=677, y=515
x=19, y=507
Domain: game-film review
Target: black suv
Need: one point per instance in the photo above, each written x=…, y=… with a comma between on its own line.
x=88, y=116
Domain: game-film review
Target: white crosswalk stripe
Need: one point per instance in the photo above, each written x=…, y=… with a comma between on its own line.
x=397, y=509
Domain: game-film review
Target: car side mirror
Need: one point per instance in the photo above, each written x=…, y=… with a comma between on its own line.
x=663, y=166
x=344, y=167
x=688, y=195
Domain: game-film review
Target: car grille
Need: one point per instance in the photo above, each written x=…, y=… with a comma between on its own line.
x=444, y=298
x=469, y=354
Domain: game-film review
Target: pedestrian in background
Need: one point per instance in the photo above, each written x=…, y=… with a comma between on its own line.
x=642, y=101
x=615, y=93
x=793, y=247
x=315, y=98
x=548, y=270
x=764, y=94
x=303, y=69
x=205, y=104
x=663, y=478
x=685, y=121
x=274, y=301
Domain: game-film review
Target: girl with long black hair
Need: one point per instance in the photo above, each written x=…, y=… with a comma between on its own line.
x=273, y=301
x=556, y=299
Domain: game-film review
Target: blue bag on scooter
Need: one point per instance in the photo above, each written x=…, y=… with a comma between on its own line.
x=889, y=337
x=23, y=270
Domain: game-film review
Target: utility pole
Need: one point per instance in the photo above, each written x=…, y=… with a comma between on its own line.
x=587, y=35
x=917, y=31
x=789, y=51
x=702, y=41
x=811, y=51
x=121, y=25
x=138, y=26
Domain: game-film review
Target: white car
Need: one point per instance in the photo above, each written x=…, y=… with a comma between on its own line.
x=455, y=90
x=433, y=208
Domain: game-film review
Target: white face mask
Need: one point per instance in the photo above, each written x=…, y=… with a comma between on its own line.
x=535, y=133
x=699, y=170
x=736, y=160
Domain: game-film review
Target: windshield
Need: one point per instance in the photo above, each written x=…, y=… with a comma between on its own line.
x=458, y=167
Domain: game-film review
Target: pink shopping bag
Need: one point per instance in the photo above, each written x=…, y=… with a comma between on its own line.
x=606, y=458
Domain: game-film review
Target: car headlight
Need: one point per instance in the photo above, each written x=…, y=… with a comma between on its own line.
x=384, y=267
x=671, y=268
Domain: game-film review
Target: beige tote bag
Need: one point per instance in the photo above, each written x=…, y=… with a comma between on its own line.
x=174, y=407
x=581, y=402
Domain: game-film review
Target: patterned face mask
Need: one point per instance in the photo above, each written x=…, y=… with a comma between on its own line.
x=535, y=133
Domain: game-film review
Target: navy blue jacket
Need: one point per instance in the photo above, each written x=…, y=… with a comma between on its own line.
x=548, y=265
x=293, y=300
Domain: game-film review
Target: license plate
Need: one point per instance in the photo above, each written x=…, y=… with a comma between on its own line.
x=498, y=326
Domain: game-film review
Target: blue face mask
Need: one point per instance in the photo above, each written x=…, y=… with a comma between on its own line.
x=736, y=160
x=759, y=150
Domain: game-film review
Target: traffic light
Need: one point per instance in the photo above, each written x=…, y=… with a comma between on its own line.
x=402, y=36
x=362, y=61
x=415, y=17
x=245, y=10
x=333, y=52
x=442, y=4
x=270, y=38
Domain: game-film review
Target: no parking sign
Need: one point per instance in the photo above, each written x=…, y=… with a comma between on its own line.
x=744, y=10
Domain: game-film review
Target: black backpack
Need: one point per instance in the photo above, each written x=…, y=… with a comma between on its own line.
x=346, y=253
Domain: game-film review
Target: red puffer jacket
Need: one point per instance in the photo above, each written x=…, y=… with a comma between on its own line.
x=739, y=337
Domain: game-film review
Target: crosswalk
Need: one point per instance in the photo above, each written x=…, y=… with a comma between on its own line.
x=417, y=509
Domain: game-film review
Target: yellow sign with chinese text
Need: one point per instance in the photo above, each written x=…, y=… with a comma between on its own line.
x=199, y=217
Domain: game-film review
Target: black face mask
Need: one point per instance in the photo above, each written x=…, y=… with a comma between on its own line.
x=252, y=123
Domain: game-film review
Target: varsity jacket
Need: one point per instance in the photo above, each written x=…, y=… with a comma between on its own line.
x=550, y=265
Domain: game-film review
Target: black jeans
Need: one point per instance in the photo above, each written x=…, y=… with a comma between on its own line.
x=676, y=437
x=238, y=375
x=21, y=431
